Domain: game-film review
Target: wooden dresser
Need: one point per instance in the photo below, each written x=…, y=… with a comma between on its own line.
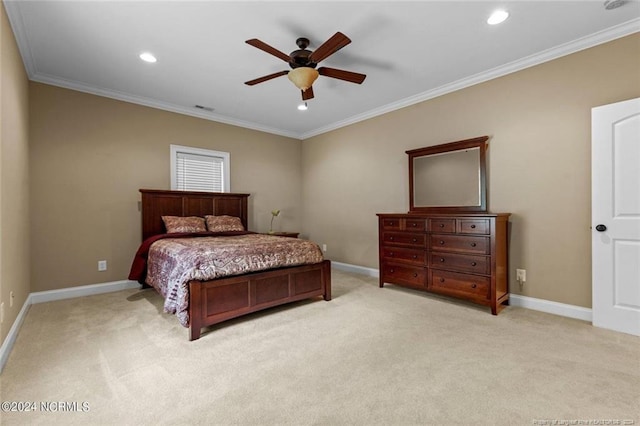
x=459, y=255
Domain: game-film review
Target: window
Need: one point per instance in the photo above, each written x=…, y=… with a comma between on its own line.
x=196, y=169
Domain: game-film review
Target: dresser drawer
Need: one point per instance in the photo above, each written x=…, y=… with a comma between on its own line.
x=414, y=224
x=442, y=225
x=414, y=256
x=403, y=224
x=460, y=244
x=404, y=274
x=463, y=285
x=460, y=262
x=392, y=224
x=405, y=238
x=474, y=226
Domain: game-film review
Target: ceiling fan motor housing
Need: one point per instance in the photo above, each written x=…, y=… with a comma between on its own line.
x=303, y=63
x=300, y=58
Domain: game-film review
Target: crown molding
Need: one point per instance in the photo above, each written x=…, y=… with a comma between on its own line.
x=17, y=25
x=15, y=18
x=113, y=94
x=610, y=34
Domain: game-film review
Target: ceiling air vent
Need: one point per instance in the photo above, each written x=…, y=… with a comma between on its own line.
x=205, y=108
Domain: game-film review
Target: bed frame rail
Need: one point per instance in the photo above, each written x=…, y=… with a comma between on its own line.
x=218, y=300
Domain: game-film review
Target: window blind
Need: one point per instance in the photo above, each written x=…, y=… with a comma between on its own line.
x=198, y=172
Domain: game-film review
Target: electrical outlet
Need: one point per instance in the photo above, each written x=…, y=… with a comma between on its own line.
x=11, y=299
x=102, y=265
x=521, y=275
x=324, y=248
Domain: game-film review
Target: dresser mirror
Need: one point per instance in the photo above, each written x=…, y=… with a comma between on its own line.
x=449, y=178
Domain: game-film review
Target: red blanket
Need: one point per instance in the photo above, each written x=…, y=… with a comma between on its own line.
x=138, y=270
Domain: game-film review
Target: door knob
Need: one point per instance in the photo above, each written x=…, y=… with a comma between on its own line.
x=601, y=228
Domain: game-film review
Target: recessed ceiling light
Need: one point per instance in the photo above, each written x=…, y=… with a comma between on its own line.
x=497, y=17
x=148, y=57
x=303, y=107
x=612, y=4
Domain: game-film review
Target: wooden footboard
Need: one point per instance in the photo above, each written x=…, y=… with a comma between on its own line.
x=211, y=302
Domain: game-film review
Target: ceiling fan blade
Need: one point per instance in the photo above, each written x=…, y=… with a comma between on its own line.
x=352, y=77
x=329, y=47
x=266, y=48
x=307, y=94
x=265, y=78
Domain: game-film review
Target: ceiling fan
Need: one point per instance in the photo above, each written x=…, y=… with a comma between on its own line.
x=303, y=63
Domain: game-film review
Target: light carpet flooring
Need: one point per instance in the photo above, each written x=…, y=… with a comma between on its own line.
x=370, y=356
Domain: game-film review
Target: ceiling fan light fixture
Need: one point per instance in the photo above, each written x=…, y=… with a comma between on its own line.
x=303, y=77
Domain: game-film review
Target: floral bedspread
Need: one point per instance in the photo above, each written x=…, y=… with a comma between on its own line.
x=173, y=262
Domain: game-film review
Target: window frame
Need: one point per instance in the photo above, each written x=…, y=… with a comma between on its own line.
x=226, y=164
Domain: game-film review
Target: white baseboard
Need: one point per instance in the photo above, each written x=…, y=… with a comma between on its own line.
x=7, y=345
x=542, y=305
x=370, y=272
x=50, y=296
x=81, y=291
x=548, y=306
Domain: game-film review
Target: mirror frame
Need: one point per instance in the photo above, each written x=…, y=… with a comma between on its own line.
x=479, y=142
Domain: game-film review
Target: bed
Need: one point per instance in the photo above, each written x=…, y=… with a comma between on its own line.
x=220, y=299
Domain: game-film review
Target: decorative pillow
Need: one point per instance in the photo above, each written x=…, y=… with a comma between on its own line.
x=183, y=224
x=223, y=223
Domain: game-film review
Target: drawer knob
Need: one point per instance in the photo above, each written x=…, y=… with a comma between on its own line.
x=391, y=223
x=473, y=244
x=473, y=263
x=473, y=227
x=390, y=238
x=473, y=286
x=415, y=275
x=391, y=270
x=441, y=280
x=415, y=256
x=391, y=254
x=414, y=224
x=441, y=225
x=415, y=239
x=441, y=259
x=441, y=242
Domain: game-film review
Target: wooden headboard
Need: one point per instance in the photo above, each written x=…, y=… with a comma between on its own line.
x=158, y=203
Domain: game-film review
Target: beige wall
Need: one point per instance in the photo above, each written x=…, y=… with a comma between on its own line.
x=538, y=165
x=14, y=177
x=89, y=157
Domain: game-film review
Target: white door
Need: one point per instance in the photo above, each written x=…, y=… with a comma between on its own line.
x=615, y=215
